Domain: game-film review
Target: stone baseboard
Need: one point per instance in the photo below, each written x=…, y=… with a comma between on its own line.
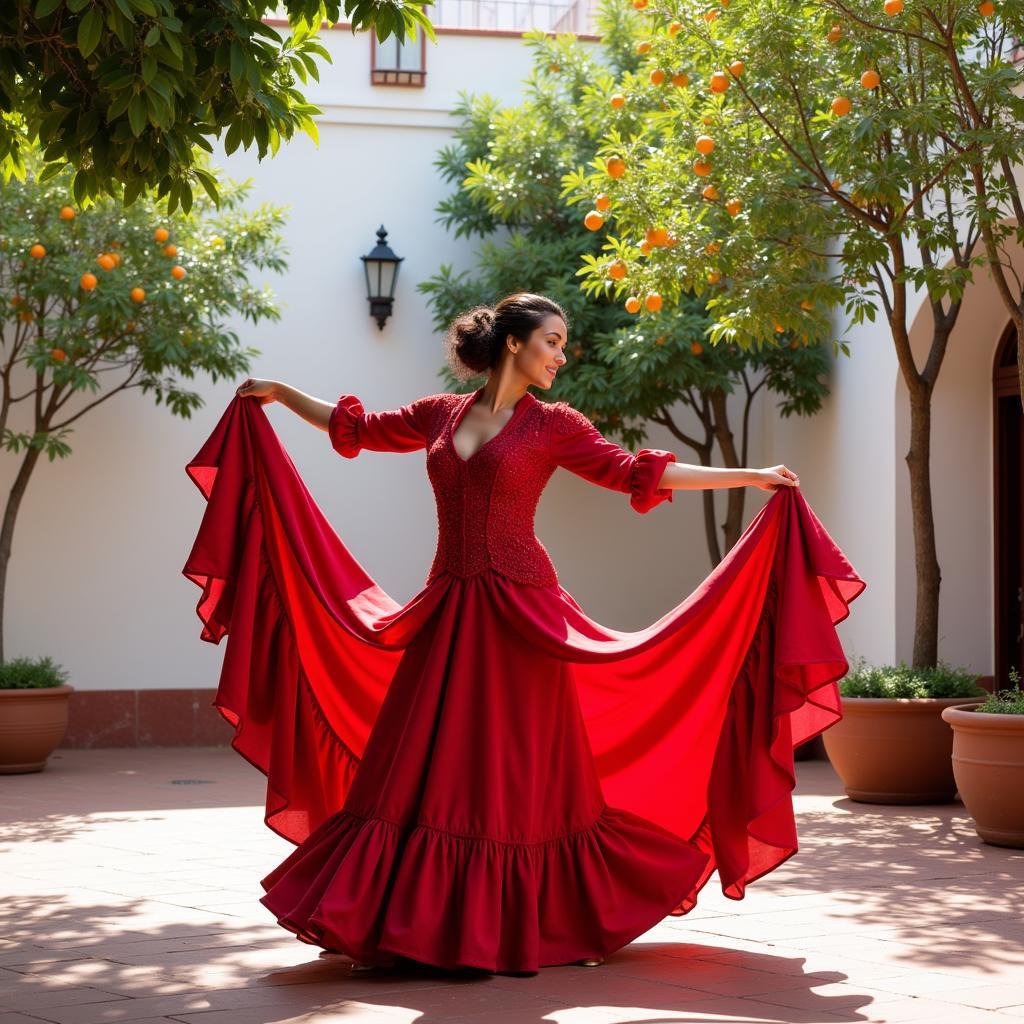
x=145, y=718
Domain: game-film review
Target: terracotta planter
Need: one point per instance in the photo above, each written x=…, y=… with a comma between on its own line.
x=32, y=723
x=894, y=750
x=988, y=762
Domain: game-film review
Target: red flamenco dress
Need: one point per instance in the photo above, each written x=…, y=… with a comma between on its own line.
x=485, y=776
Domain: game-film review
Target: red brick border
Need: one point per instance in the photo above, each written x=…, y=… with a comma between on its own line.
x=144, y=718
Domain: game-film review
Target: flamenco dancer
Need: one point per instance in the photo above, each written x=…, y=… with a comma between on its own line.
x=486, y=777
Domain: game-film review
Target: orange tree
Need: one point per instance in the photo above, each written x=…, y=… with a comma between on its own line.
x=125, y=91
x=623, y=372
x=826, y=153
x=94, y=303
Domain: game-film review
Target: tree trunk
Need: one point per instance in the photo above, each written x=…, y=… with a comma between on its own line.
x=7, y=528
x=928, y=576
x=735, y=498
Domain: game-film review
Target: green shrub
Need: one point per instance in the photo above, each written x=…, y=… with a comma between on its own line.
x=1006, y=702
x=29, y=674
x=903, y=681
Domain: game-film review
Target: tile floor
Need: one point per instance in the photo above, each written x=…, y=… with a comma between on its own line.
x=129, y=882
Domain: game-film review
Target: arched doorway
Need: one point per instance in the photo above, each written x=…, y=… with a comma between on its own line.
x=1008, y=450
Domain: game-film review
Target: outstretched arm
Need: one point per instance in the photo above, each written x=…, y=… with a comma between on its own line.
x=683, y=476
x=312, y=410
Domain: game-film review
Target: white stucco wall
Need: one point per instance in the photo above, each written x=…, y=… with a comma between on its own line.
x=96, y=581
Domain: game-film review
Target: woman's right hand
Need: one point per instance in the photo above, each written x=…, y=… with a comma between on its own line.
x=253, y=387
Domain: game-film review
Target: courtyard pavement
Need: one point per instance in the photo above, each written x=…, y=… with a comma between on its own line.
x=129, y=882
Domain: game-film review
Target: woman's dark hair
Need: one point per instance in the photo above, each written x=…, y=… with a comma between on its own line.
x=475, y=338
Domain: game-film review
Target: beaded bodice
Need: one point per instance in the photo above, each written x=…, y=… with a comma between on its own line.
x=486, y=504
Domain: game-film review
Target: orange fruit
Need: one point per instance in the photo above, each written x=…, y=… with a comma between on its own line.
x=841, y=106
x=15, y=299
x=657, y=76
x=618, y=270
x=653, y=302
x=602, y=202
x=632, y=304
x=643, y=47
x=177, y=273
x=709, y=120
x=618, y=100
x=733, y=207
x=701, y=167
x=640, y=4
x=58, y=354
x=794, y=344
x=67, y=213
x=807, y=304
x=987, y=9
x=161, y=234
x=705, y=144
x=836, y=182
x=130, y=325
x=116, y=257
x=681, y=80
x=87, y=281
x=710, y=192
x=137, y=294
x=779, y=328
x=670, y=240
x=616, y=166
x=835, y=33
x=645, y=248
x=893, y=7
x=106, y=261
x=37, y=252
x=711, y=13
x=714, y=276
x=594, y=221
x=713, y=247
x=170, y=250
x=657, y=236
x=719, y=81
x=27, y=315
x=674, y=29
x=554, y=67
x=870, y=79
x=696, y=347
x=737, y=67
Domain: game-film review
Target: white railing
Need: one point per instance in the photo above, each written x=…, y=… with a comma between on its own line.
x=514, y=15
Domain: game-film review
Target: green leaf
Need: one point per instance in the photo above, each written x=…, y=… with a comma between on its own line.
x=90, y=29
x=237, y=63
x=146, y=6
x=233, y=137
x=137, y=114
x=209, y=183
x=74, y=6
x=45, y=7
x=152, y=36
x=50, y=171
x=149, y=68
x=125, y=8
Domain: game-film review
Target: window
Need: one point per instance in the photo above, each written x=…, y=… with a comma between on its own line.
x=396, y=63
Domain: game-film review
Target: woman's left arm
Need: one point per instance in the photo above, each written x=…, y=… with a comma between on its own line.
x=683, y=476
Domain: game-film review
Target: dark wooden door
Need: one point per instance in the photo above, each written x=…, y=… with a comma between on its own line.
x=1009, y=511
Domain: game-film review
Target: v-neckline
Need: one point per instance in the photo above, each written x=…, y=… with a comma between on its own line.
x=453, y=424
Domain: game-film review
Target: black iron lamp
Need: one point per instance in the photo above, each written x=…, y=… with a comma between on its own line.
x=381, y=267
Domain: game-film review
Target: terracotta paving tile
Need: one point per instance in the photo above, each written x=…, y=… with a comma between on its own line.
x=127, y=897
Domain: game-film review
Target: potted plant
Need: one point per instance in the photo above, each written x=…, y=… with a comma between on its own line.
x=891, y=745
x=988, y=762
x=33, y=713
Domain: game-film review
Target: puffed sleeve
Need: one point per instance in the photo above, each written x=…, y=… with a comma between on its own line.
x=580, y=447
x=352, y=429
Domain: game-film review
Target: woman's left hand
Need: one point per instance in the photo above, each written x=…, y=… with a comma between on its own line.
x=773, y=478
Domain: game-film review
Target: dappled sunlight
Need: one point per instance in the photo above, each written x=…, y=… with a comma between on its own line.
x=150, y=895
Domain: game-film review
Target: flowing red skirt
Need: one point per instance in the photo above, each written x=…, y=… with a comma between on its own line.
x=485, y=776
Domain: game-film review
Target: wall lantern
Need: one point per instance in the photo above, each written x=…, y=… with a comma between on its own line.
x=381, y=267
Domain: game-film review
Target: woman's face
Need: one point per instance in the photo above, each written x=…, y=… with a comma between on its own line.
x=543, y=354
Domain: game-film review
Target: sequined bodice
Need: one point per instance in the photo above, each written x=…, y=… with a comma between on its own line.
x=486, y=504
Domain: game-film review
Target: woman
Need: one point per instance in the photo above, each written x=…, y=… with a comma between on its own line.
x=485, y=777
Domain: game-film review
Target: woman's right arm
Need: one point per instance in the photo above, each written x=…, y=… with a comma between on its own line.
x=312, y=410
